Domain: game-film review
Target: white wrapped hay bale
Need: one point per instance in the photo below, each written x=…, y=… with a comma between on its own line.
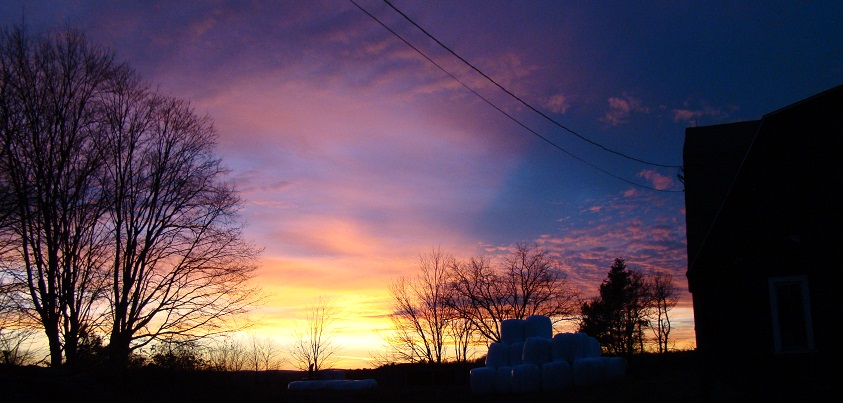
x=526, y=378
x=585, y=346
x=482, y=380
x=307, y=385
x=556, y=376
x=537, y=350
x=563, y=347
x=538, y=326
x=503, y=380
x=516, y=353
x=512, y=331
x=589, y=371
x=615, y=369
x=498, y=355
x=593, y=347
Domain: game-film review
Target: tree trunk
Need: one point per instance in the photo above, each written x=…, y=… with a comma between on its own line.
x=118, y=351
x=71, y=348
x=55, y=347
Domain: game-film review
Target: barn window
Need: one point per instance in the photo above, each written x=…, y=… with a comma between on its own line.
x=791, y=309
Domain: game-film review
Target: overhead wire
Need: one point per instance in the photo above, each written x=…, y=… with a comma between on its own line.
x=499, y=109
x=520, y=100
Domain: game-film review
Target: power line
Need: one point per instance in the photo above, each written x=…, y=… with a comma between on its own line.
x=417, y=50
x=542, y=114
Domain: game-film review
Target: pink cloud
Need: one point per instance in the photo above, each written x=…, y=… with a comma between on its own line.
x=656, y=179
x=621, y=108
x=647, y=230
x=688, y=115
x=198, y=28
x=631, y=192
x=558, y=103
x=509, y=67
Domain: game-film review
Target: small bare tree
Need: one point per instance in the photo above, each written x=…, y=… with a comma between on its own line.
x=421, y=311
x=463, y=336
x=175, y=354
x=15, y=339
x=16, y=346
x=227, y=354
x=263, y=354
x=313, y=347
x=663, y=295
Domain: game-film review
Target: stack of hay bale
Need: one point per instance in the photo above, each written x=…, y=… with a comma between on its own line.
x=530, y=359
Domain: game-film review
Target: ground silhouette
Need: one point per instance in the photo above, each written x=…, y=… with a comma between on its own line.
x=650, y=378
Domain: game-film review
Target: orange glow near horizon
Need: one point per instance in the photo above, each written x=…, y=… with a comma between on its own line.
x=362, y=310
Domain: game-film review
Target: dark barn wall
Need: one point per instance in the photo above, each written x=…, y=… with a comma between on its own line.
x=785, y=213
x=712, y=156
x=782, y=217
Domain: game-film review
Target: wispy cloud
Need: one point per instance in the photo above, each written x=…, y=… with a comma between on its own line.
x=693, y=116
x=621, y=108
x=693, y=110
x=558, y=103
x=656, y=179
x=647, y=230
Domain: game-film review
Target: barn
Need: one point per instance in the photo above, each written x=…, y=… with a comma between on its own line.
x=764, y=215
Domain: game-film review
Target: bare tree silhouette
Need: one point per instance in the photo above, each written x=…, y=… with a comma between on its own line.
x=421, y=311
x=528, y=283
x=313, y=347
x=663, y=296
x=52, y=90
x=264, y=354
x=179, y=265
x=115, y=214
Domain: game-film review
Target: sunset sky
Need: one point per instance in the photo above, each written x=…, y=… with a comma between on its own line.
x=354, y=154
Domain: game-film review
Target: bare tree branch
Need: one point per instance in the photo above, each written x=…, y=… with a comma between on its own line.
x=114, y=210
x=421, y=311
x=313, y=347
x=528, y=283
x=49, y=112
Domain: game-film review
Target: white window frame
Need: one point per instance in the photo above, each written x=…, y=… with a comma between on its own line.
x=802, y=282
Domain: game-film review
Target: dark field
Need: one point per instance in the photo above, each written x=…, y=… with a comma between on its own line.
x=673, y=377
